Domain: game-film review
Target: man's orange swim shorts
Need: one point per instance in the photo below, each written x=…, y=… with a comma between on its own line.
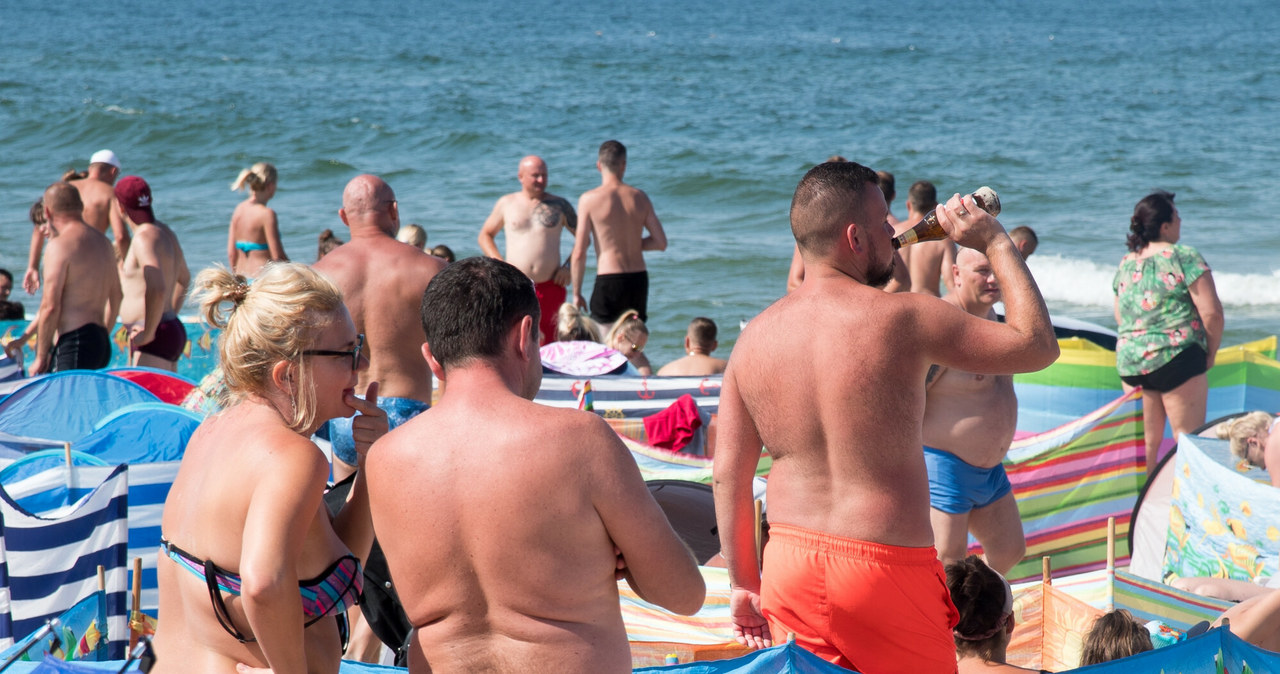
x=865, y=606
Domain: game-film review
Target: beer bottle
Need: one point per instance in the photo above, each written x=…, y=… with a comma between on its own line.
x=928, y=228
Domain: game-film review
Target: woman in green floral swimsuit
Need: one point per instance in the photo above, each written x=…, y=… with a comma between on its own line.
x=1170, y=322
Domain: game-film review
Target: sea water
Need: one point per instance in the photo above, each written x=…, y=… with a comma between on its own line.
x=1071, y=111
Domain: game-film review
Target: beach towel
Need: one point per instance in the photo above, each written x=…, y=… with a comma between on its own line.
x=673, y=427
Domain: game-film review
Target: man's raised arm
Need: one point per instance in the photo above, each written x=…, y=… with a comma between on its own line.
x=1025, y=342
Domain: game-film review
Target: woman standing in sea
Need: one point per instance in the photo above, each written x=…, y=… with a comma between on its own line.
x=1170, y=322
x=254, y=237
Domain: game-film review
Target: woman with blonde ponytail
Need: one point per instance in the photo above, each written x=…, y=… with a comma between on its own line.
x=254, y=239
x=252, y=568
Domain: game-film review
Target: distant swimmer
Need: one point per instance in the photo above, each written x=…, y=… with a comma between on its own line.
x=155, y=278
x=254, y=237
x=1025, y=239
x=382, y=281
x=9, y=310
x=699, y=342
x=617, y=215
x=926, y=260
x=94, y=186
x=81, y=291
x=532, y=220
x=850, y=566
x=534, y=512
x=969, y=421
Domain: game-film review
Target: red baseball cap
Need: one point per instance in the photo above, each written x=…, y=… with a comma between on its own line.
x=134, y=195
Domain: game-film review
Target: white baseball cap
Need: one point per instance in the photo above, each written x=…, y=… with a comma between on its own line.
x=105, y=157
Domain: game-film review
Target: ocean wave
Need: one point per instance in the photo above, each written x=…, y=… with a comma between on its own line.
x=1088, y=283
x=123, y=110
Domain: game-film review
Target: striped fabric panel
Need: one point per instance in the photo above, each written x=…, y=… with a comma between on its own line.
x=149, y=485
x=652, y=630
x=661, y=464
x=1151, y=600
x=631, y=397
x=52, y=559
x=1068, y=481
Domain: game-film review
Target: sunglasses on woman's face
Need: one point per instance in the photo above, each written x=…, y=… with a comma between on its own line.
x=353, y=354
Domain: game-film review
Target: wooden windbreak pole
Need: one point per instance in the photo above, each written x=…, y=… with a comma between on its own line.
x=759, y=519
x=136, y=590
x=1046, y=571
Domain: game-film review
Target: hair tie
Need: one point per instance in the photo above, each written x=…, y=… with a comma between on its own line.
x=238, y=292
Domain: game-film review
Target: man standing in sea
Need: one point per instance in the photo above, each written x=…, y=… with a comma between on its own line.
x=382, y=281
x=532, y=220
x=98, y=196
x=155, y=278
x=617, y=215
x=850, y=566
x=82, y=290
x=969, y=421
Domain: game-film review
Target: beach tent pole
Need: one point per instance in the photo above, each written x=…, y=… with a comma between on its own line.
x=136, y=590
x=71, y=478
x=759, y=534
x=1111, y=564
x=1046, y=571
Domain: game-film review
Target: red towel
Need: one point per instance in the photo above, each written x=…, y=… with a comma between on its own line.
x=673, y=427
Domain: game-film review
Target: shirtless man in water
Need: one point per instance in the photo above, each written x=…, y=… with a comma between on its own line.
x=850, y=566
x=155, y=278
x=617, y=215
x=81, y=293
x=100, y=213
x=969, y=421
x=530, y=532
x=382, y=281
x=533, y=219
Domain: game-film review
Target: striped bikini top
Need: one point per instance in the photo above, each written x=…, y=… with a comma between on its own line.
x=334, y=591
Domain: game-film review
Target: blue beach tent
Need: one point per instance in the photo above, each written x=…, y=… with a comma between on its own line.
x=785, y=659
x=146, y=432
x=66, y=406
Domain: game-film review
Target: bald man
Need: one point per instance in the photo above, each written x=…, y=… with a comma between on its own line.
x=532, y=220
x=969, y=421
x=81, y=293
x=382, y=282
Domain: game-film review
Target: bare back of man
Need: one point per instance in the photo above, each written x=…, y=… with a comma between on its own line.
x=838, y=405
x=154, y=276
x=616, y=216
x=82, y=289
x=382, y=282
x=531, y=531
x=969, y=422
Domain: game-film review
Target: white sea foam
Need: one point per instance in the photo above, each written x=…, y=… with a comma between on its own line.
x=122, y=111
x=1087, y=283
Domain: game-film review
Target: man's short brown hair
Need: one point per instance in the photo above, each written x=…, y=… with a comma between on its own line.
x=702, y=331
x=828, y=197
x=922, y=197
x=613, y=156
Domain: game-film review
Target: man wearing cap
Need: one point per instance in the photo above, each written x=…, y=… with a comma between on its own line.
x=82, y=290
x=155, y=277
x=100, y=213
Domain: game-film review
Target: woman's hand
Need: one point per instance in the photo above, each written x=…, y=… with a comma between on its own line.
x=370, y=423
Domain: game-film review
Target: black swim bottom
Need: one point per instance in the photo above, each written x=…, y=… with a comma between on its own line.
x=1192, y=362
x=88, y=347
x=170, y=340
x=615, y=293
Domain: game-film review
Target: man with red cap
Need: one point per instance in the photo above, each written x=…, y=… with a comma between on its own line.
x=155, y=278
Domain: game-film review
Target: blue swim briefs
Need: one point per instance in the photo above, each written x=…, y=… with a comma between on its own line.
x=957, y=487
x=399, y=410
